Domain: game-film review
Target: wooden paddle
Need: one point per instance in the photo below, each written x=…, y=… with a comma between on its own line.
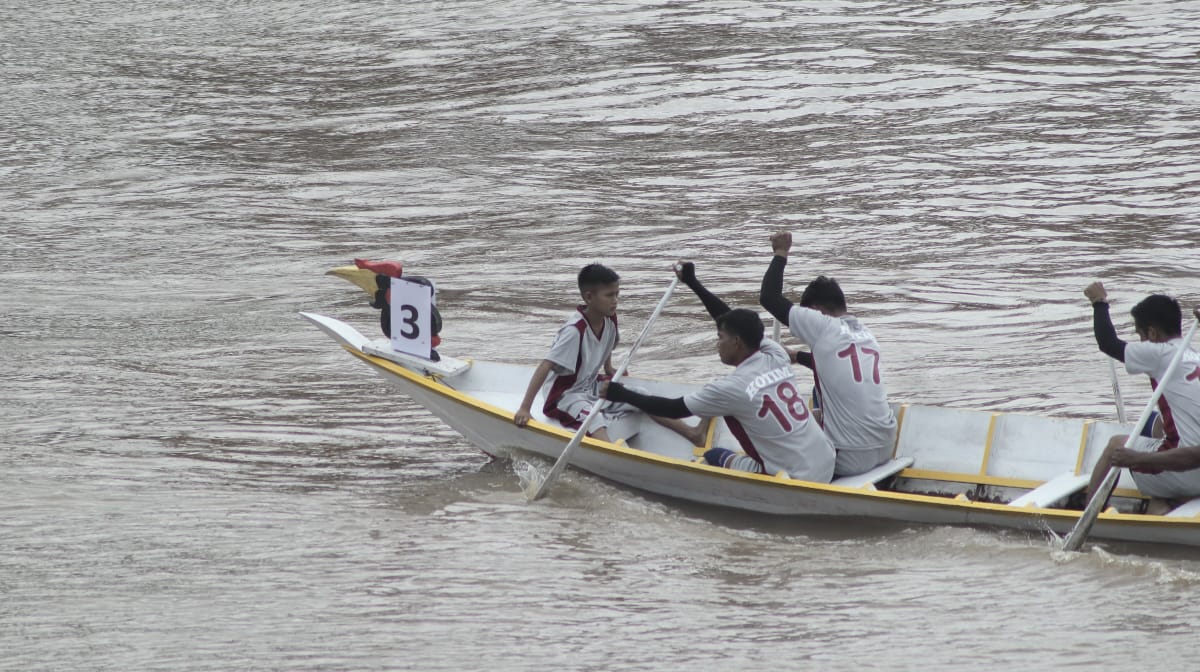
x=535, y=490
x=1075, y=539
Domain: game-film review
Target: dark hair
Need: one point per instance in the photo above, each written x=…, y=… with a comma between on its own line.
x=743, y=323
x=1158, y=310
x=595, y=275
x=824, y=292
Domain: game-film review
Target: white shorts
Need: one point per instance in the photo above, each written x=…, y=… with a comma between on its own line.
x=855, y=462
x=618, y=415
x=1165, y=484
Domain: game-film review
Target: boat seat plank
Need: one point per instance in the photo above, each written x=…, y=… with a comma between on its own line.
x=1063, y=485
x=870, y=478
x=1191, y=509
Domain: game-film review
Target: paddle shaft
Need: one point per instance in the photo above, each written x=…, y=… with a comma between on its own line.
x=1077, y=536
x=561, y=463
x=1112, y=370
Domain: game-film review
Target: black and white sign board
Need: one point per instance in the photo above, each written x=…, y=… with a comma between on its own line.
x=412, y=317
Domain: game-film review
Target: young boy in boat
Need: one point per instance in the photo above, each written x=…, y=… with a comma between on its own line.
x=582, y=346
x=760, y=399
x=1166, y=469
x=846, y=364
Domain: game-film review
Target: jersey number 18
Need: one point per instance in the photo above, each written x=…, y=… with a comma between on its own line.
x=791, y=401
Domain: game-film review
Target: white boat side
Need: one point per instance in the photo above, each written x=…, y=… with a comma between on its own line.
x=967, y=467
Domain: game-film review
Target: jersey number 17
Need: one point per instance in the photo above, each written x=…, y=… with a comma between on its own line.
x=852, y=353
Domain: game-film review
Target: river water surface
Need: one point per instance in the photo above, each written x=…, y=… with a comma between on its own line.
x=193, y=478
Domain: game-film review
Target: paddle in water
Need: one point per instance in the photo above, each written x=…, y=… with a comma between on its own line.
x=536, y=489
x=1077, y=535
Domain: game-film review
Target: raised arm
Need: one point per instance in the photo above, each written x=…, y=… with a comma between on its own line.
x=686, y=272
x=1106, y=334
x=770, y=295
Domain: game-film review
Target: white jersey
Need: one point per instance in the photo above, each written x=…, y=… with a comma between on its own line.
x=578, y=356
x=850, y=377
x=1182, y=391
x=765, y=410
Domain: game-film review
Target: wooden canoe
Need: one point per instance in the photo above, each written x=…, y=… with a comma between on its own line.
x=950, y=466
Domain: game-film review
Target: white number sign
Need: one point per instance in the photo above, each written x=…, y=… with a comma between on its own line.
x=412, y=318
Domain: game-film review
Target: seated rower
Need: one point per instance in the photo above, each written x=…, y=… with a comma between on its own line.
x=582, y=348
x=760, y=399
x=846, y=362
x=1168, y=469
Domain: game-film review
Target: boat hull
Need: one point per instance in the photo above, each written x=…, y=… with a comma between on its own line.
x=489, y=426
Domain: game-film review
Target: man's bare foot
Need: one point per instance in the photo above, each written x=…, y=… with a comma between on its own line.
x=699, y=434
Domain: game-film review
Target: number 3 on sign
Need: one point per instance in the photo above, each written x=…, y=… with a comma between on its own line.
x=412, y=312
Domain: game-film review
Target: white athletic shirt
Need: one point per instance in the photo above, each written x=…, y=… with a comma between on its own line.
x=765, y=410
x=850, y=376
x=578, y=356
x=1182, y=391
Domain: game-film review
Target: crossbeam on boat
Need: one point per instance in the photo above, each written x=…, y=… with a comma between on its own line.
x=1189, y=510
x=1061, y=486
x=868, y=479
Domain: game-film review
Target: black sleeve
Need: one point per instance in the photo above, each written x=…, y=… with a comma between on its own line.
x=1106, y=333
x=715, y=306
x=806, y=360
x=660, y=406
x=770, y=295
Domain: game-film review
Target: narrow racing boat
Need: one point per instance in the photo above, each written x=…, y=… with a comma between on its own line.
x=949, y=466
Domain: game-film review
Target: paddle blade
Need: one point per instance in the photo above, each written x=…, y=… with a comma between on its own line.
x=538, y=486
x=1081, y=530
x=535, y=487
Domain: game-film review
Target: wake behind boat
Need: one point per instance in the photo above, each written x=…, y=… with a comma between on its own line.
x=949, y=466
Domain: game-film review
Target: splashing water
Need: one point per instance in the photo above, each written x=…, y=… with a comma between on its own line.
x=530, y=477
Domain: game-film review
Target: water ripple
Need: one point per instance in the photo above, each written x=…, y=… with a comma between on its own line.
x=186, y=464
